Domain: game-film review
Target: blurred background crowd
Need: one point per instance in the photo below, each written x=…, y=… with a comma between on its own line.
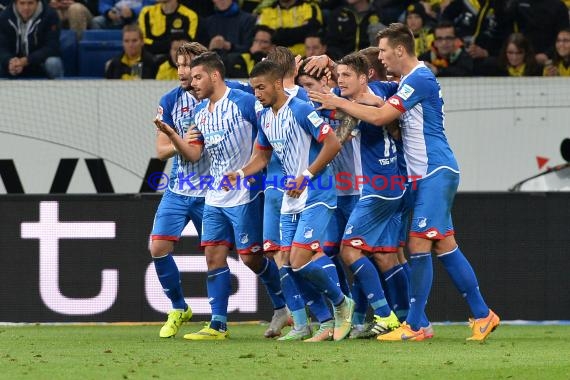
x=137, y=39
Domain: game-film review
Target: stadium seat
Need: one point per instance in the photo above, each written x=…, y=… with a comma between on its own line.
x=102, y=35
x=94, y=54
x=68, y=48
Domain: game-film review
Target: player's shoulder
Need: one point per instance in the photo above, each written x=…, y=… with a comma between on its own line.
x=300, y=107
x=383, y=88
x=240, y=96
x=421, y=77
x=239, y=85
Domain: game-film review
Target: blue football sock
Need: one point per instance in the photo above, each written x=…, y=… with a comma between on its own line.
x=269, y=277
x=313, y=299
x=397, y=291
x=169, y=278
x=219, y=287
x=329, y=267
x=465, y=281
x=321, y=281
x=292, y=296
x=332, y=253
x=360, y=304
x=369, y=281
x=420, y=286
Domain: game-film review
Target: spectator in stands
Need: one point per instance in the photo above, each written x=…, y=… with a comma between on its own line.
x=560, y=64
x=159, y=21
x=73, y=15
x=482, y=26
x=351, y=27
x=240, y=65
x=517, y=58
x=447, y=58
x=540, y=21
x=203, y=8
x=315, y=44
x=29, y=41
x=390, y=10
x=229, y=29
x=134, y=62
x=168, y=69
x=416, y=19
x=114, y=14
x=292, y=20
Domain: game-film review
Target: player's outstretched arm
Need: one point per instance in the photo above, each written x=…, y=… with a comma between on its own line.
x=370, y=114
x=259, y=160
x=331, y=147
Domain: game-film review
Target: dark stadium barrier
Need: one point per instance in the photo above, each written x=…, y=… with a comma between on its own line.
x=84, y=258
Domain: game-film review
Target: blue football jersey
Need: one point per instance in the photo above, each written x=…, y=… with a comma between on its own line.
x=176, y=108
x=426, y=148
x=295, y=134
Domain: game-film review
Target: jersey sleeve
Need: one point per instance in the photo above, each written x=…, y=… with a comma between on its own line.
x=413, y=91
x=262, y=142
x=249, y=108
x=312, y=122
x=164, y=111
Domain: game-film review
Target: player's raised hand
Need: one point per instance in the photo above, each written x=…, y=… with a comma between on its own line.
x=296, y=187
x=317, y=64
x=164, y=128
x=328, y=100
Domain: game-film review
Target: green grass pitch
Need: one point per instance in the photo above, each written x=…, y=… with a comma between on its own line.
x=135, y=352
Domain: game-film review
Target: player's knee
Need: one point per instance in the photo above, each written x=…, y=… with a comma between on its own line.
x=159, y=248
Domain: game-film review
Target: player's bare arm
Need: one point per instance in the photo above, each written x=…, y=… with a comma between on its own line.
x=164, y=147
x=259, y=160
x=370, y=114
x=331, y=147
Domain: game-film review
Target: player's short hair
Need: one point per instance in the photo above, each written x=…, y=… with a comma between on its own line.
x=191, y=49
x=284, y=58
x=211, y=62
x=267, y=68
x=357, y=62
x=314, y=75
x=398, y=34
x=133, y=28
x=371, y=53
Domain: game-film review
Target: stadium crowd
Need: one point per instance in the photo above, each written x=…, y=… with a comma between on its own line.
x=453, y=37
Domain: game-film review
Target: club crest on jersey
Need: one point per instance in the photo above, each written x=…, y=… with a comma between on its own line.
x=406, y=91
x=308, y=233
x=422, y=222
x=349, y=228
x=243, y=238
x=315, y=119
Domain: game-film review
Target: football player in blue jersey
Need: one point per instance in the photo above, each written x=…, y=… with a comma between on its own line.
x=226, y=127
x=371, y=227
x=304, y=144
x=180, y=204
x=431, y=162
